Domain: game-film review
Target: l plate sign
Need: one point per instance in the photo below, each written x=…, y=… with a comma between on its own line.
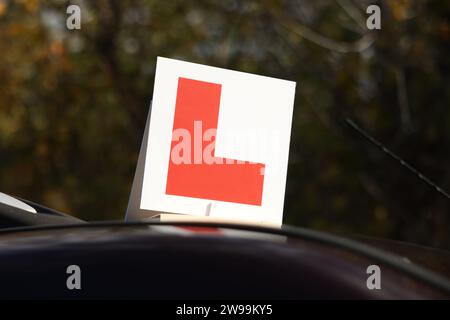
x=217, y=143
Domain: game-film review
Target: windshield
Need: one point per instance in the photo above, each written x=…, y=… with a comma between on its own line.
x=75, y=94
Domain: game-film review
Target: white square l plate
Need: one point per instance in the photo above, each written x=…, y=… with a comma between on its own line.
x=217, y=143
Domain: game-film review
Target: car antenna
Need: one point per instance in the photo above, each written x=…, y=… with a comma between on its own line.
x=381, y=146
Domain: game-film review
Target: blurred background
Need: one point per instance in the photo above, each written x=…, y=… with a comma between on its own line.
x=73, y=103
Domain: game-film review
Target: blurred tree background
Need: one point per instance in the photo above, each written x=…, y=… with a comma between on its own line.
x=73, y=104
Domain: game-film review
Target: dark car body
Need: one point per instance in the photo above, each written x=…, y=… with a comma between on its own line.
x=155, y=260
